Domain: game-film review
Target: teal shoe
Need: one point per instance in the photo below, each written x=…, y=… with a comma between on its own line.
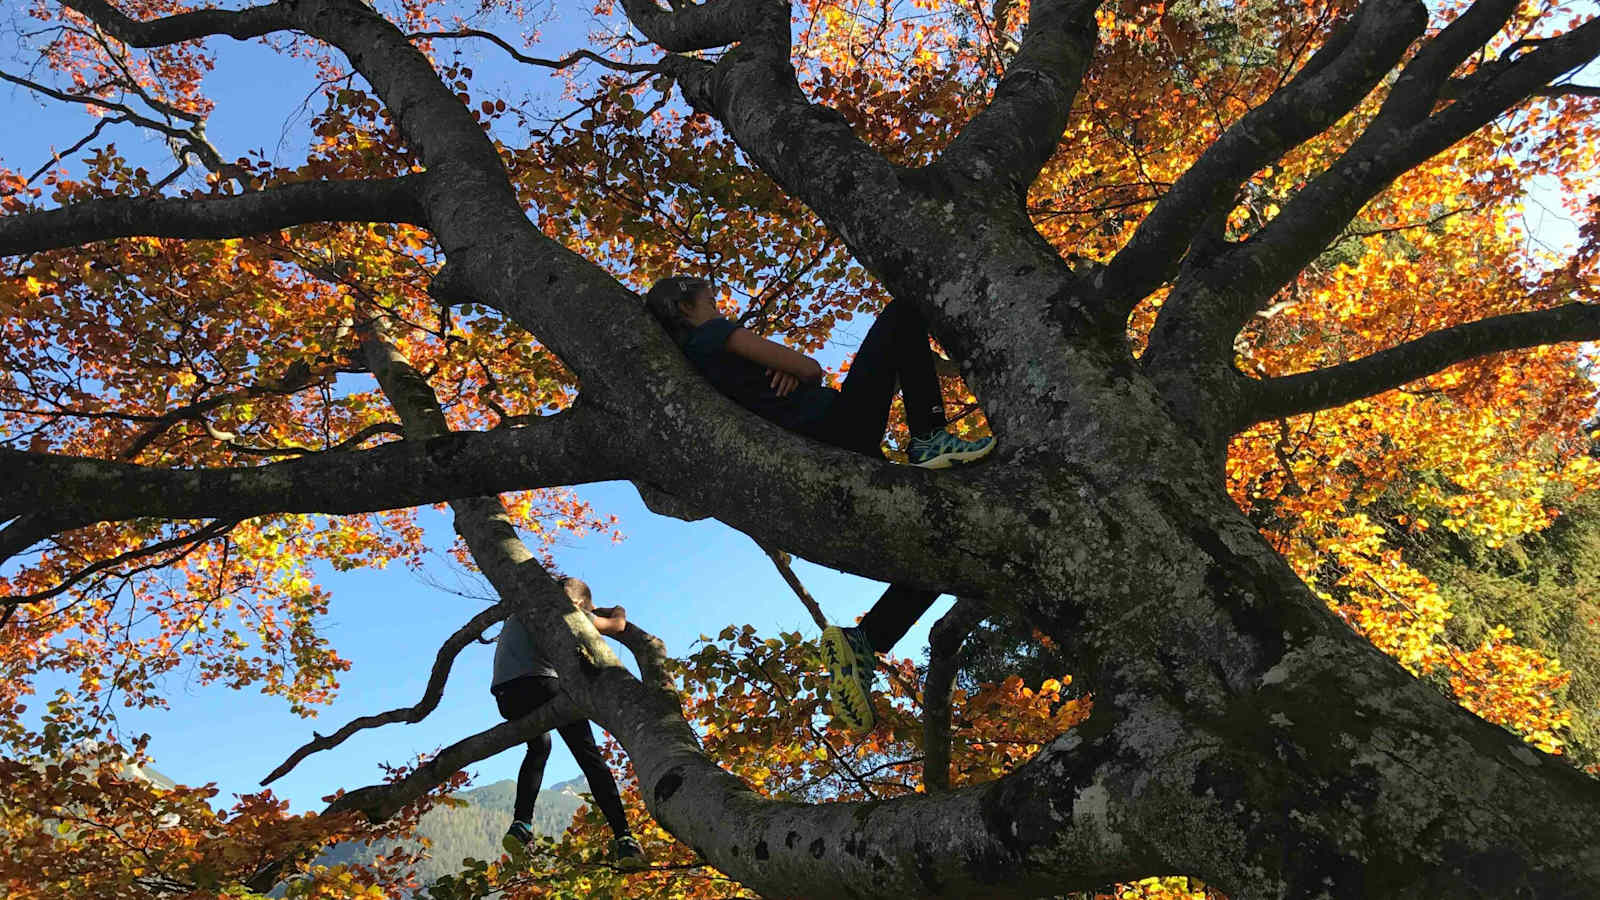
x=628, y=854
x=941, y=450
x=848, y=655
x=516, y=841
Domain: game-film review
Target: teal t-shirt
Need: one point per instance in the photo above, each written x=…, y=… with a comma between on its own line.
x=749, y=384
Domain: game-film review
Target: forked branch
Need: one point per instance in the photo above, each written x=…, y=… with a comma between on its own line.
x=380, y=801
x=418, y=711
x=1343, y=71
x=1201, y=324
x=1402, y=137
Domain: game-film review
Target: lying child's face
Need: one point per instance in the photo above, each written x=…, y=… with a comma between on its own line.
x=702, y=306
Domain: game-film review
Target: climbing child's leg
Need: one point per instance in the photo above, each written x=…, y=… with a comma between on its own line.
x=603, y=787
x=517, y=698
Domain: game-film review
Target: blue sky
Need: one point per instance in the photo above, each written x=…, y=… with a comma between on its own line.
x=679, y=580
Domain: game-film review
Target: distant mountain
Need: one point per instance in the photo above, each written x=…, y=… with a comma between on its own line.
x=150, y=774
x=475, y=829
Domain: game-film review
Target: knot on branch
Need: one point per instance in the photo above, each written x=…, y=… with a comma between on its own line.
x=664, y=504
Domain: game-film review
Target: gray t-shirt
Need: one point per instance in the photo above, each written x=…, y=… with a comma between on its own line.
x=515, y=655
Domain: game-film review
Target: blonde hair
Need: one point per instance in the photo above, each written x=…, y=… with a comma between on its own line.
x=578, y=592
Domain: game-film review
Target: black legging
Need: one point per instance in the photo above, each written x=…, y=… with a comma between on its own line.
x=520, y=696
x=895, y=348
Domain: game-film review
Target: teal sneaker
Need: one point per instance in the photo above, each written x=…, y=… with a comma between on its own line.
x=628, y=854
x=941, y=450
x=516, y=841
x=848, y=655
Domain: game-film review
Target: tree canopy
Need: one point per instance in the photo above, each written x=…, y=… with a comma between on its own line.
x=1284, y=388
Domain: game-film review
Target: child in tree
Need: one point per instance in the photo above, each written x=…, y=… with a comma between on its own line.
x=785, y=387
x=524, y=681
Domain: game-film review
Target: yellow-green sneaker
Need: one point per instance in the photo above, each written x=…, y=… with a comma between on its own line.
x=850, y=660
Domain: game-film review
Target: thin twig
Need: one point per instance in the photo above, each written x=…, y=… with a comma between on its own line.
x=562, y=63
x=782, y=561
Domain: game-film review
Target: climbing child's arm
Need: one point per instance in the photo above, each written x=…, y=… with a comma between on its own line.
x=609, y=619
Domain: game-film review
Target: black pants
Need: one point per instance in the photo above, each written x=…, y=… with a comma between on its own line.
x=895, y=349
x=520, y=696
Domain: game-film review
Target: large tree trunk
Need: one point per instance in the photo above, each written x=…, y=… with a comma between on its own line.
x=1241, y=733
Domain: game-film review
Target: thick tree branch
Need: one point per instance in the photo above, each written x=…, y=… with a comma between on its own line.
x=651, y=655
x=807, y=148
x=1388, y=369
x=1498, y=86
x=565, y=635
x=1417, y=88
x=944, y=640
x=418, y=711
x=482, y=522
x=1343, y=71
x=1456, y=88
x=224, y=216
x=1191, y=346
x=1011, y=139
x=250, y=22
x=549, y=451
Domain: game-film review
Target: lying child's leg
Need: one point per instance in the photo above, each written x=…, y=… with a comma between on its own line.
x=895, y=351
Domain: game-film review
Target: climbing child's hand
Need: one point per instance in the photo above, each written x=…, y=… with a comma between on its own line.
x=610, y=620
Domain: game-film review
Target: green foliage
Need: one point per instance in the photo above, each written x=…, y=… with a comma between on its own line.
x=1545, y=588
x=1002, y=646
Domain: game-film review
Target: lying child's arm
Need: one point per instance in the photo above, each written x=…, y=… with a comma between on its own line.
x=774, y=356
